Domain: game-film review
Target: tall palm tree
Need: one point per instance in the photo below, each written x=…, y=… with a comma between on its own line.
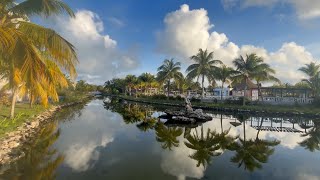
x=247, y=68
x=313, y=71
x=169, y=70
x=167, y=135
x=203, y=67
x=29, y=50
x=131, y=81
x=146, y=80
x=223, y=74
x=205, y=146
x=265, y=74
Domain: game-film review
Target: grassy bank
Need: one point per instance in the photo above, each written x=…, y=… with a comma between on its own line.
x=306, y=109
x=24, y=113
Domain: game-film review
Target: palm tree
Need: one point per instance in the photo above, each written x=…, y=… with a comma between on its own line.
x=145, y=81
x=168, y=136
x=169, y=70
x=131, y=81
x=223, y=74
x=247, y=69
x=203, y=67
x=265, y=74
x=31, y=50
x=205, y=146
x=313, y=71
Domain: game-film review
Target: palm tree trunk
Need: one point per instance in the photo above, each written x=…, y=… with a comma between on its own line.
x=259, y=91
x=168, y=88
x=245, y=92
x=13, y=103
x=130, y=93
x=202, y=86
x=222, y=90
x=31, y=100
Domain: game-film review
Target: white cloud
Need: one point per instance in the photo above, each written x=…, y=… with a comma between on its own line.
x=188, y=30
x=97, y=51
x=305, y=9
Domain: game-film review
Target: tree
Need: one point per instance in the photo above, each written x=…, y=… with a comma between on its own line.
x=203, y=67
x=264, y=74
x=29, y=53
x=146, y=79
x=131, y=81
x=247, y=69
x=313, y=71
x=223, y=74
x=169, y=70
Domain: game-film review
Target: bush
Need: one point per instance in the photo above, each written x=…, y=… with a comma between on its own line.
x=159, y=96
x=193, y=99
x=179, y=98
x=316, y=101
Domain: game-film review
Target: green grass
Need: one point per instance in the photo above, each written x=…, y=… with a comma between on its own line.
x=23, y=113
x=307, y=109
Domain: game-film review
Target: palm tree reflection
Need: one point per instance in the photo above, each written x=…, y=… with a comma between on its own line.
x=167, y=136
x=40, y=161
x=312, y=142
x=252, y=153
x=205, y=146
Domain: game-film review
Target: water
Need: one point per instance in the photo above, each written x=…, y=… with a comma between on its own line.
x=111, y=141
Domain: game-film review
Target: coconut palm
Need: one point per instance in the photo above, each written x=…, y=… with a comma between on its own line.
x=223, y=74
x=167, y=136
x=146, y=79
x=29, y=50
x=264, y=74
x=247, y=68
x=168, y=71
x=203, y=67
x=313, y=71
x=131, y=81
x=205, y=146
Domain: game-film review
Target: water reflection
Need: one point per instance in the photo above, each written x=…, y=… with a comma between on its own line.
x=108, y=140
x=41, y=159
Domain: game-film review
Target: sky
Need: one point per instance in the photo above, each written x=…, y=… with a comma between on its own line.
x=116, y=38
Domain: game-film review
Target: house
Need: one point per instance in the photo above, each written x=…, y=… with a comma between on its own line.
x=251, y=90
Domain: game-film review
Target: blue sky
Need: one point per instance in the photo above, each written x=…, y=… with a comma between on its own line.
x=283, y=31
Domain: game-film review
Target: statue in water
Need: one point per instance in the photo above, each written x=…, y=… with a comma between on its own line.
x=188, y=105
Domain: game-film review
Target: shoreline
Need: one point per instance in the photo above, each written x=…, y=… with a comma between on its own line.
x=225, y=108
x=14, y=140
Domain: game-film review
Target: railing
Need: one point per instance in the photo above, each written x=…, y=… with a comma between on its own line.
x=287, y=100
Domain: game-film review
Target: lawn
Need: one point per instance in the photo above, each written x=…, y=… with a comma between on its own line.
x=23, y=113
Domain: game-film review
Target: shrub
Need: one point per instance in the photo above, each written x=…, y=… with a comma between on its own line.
x=179, y=98
x=193, y=99
x=159, y=96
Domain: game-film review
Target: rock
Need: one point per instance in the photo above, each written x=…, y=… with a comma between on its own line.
x=13, y=144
